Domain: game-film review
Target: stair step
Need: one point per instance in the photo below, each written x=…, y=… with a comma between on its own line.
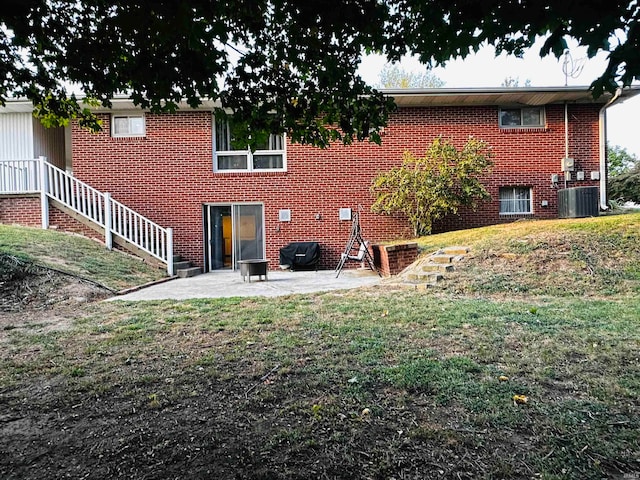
x=425, y=277
x=181, y=265
x=441, y=258
x=188, y=272
x=423, y=287
x=456, y=250
x=177, y=258
x=437, y=267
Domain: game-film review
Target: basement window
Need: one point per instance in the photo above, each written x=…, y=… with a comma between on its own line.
x=516, y=201
x=269, y=156
x=522, y=117
x=127, y=125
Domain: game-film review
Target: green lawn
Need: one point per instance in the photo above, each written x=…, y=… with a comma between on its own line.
x=378, y=383
x=77, y=255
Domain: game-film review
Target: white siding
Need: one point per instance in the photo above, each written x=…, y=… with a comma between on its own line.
x=67, y=149
x=16, y=136
x=49, y=142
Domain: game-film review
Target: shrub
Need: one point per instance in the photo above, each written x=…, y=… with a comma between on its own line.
x=427, y=188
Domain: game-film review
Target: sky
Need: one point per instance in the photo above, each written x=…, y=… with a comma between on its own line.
x=485, y=70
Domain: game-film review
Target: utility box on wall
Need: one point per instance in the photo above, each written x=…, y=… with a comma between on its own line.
x=567, y=164
x=578, y=202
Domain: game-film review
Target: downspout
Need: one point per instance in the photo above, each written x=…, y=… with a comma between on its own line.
x=603, y=149
x=566, y=138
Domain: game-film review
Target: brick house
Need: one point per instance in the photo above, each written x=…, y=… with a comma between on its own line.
x=180, y=171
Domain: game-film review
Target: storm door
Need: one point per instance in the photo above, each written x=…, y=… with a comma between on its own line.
x=233, y=232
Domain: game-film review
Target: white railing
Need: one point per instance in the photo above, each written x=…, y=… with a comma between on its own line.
x=19, y=176
x=74, y=194
x=142, y=232
x=25, y=176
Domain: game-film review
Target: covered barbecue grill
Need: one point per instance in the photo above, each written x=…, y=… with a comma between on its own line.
x=300, y=255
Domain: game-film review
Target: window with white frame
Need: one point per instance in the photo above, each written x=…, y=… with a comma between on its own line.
x=522, y=117
x=515, y=201
x=127, y=125
x=268, y=156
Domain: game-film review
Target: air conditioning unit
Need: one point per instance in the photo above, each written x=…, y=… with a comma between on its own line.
x=568, y=164
x=578, y=202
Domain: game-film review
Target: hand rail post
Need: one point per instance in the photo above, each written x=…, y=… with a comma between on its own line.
x=108, y=237
x=170, y=251
x=44, y=200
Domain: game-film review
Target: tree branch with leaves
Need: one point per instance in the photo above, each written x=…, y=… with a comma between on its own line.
x=280, y=65
x=620, y=161
x=624, y=174
x=427, y=188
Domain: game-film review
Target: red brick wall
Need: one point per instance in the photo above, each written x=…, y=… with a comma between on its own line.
x=393, y=259
x=21, y=211
x=168, y=175
x=26, y=211
x=527, y=158
x=62, y=221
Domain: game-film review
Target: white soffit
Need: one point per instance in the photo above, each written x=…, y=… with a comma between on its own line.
x=500, y=96
x=427, y=97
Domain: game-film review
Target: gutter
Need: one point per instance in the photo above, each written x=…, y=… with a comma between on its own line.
x=602, y=124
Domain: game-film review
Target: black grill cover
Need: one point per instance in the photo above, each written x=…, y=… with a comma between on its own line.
x=300, y=254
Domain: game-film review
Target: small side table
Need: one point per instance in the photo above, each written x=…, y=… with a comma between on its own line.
x=253, y=267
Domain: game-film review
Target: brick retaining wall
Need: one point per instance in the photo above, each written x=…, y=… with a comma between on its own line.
x=23, y=210
x=392, y=259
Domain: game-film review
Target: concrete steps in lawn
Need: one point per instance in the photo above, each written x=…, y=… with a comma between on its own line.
x=427, y=272
x=184, y=268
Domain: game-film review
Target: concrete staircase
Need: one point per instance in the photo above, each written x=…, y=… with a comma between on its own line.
x=428, y=271
x=184, y=268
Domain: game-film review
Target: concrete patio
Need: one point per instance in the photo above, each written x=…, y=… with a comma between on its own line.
x=226, y=283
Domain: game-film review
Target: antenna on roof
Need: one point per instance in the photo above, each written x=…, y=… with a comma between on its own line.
x=572, y=68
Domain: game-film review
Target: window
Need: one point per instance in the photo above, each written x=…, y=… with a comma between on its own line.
x=269, y=156
x=522, y=117
x=515, y=200
x=127, y=126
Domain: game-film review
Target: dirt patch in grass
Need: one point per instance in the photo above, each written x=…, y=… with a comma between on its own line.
x=220, y=432
x=207, y=413
x=39, y=299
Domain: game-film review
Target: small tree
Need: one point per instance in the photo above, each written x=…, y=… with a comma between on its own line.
x=511, y=82
x=624, y=174
x=394, y=76
x=626, y=186
x=620, y=161
x=430, y=187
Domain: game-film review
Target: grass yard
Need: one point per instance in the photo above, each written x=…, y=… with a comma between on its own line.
x=379, y=383
x=76, y=255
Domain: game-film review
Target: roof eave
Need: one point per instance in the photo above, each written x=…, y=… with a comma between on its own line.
x=533, y=96
x=418, y=97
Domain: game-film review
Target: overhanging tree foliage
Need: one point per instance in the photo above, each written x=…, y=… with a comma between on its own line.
x=427, y=188
x=296, y=60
